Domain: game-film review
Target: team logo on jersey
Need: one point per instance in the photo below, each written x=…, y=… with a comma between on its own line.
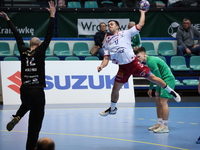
x=16, y=79
x=143, y=73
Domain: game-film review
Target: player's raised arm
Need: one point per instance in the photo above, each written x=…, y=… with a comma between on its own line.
x=142, y=19
x=52, y=8
x=4, y=15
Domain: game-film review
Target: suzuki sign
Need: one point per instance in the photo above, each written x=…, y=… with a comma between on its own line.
x=68, y=82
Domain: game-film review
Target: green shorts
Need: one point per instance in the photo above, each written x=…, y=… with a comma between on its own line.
x=163, y=92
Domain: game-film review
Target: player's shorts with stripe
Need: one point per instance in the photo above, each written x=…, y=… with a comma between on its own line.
x=163, y=93
x=135, y=68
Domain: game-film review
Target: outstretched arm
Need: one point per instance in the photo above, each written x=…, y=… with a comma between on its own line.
x=50, y=29
x=4, y=15
x=142, y=19
x=18, y=37
x=52, y=8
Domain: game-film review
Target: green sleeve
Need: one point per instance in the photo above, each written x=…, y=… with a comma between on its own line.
x=155, y=70
x=151, y=85
x=138, y=39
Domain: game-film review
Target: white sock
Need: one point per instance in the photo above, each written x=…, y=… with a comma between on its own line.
x=165, y=123
x=113, y=105
x=160, y=121
x=168, y=89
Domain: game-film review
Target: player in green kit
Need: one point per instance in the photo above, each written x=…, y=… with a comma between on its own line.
x=160, y=69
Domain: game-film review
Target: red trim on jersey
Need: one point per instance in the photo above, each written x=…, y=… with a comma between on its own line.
x=137, y=28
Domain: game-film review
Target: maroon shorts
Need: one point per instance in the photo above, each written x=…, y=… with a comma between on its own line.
x=134, y=68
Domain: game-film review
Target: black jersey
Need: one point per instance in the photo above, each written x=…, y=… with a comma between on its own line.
x=33, y=62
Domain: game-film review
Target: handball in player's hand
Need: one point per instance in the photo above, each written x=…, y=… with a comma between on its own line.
x=144, y=5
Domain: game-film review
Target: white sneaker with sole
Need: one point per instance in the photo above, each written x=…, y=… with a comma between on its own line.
x=161, y=129
x=108, y=112
x=156, y=126
x=176, y=96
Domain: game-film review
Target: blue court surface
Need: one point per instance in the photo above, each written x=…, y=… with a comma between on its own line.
x=80, y=127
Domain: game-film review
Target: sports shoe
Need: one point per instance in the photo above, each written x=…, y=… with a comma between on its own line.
x=161, y=129
x=176, y=96
x=156, y=126
x=108, y=112
x=12, y=123
x=198, y=141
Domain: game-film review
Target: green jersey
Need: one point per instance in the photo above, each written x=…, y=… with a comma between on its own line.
x=136, y=41
x=160, y=69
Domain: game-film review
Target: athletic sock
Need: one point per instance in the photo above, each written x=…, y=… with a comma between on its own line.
x=113, y=105
x=165, y=123
x=160, y=121
x=168, y=89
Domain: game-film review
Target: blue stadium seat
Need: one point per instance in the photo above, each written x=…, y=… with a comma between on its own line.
x=195, y=63
x=53, y=58
x=5, y=49
x=178, y=63
x=91, y=58
x=10, y=58
x=191, y=81
x=72, y=58
x=149, y=46
x=166, y=49
x=81, y=49
x=91, y=4
x=61, y=49
x=73, y=4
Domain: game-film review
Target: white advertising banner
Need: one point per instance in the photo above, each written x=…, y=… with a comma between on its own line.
x=91, y=26
x=68, y=82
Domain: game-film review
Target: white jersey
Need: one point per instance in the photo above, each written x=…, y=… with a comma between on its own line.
x=118, y=46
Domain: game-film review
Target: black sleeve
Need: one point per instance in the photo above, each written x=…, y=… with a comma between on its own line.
x=17, y=36
x=49, y=34
x=97, y=40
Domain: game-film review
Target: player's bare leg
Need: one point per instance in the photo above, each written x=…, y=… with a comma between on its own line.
x=112, y=110
x=164, y=110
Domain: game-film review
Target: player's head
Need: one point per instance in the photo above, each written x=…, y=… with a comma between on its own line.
x=113, y=26
x=131, y=24
x=35, y=41
x=141, y=54
x=102, y=26
x=186, y=23
x=45, y=144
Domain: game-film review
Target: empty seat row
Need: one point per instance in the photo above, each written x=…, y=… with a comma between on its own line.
x=59, y=49
x=178, y=63
x=187, y=82
x=164, y=48
x=54, y=58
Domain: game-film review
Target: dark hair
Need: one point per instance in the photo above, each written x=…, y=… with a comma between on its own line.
x=139, y=50
x=102, y=23
x=116, y=22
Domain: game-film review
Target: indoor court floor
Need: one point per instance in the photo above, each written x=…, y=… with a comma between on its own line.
x=80, y=127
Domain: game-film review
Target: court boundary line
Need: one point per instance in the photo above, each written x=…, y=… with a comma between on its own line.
x=101, y=137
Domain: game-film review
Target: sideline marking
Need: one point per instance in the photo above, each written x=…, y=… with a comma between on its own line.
x=109, y=138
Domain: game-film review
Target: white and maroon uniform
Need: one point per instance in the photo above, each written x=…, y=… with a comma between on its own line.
x=118, y=47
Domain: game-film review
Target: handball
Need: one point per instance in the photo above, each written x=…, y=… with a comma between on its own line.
x=144, y=5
